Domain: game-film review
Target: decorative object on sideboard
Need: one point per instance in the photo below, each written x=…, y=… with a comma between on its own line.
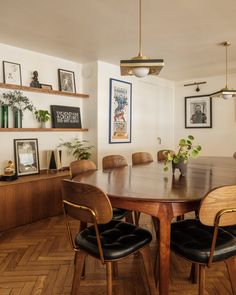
x=35, y=83
x=141, y=66
x=43, y=116
x=66, y=81
x=185, y=151
x=198, y=111
x=225, y=92
x=9, y=172
x=197, y=89
x=65, y=117
x=12, y=73
x=26, y=156
x=18, y=103
x=46, y=86
x=53, y=159
x=79, y=149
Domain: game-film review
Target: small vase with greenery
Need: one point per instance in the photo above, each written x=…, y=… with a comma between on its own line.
x=18, y=103
x=43, y=116
x=78, y=148
x=186, y=150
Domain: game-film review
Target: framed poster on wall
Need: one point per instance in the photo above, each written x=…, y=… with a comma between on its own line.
x=120, y=111
x=198, y=111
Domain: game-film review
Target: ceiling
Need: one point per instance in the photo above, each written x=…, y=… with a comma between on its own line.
x=185, y=33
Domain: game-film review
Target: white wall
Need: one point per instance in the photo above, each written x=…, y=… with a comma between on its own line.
x=152, y=113
x=47, y=67
x=220, y=140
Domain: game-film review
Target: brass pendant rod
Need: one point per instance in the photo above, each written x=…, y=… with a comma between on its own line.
x=226, y=65
x=140, y=28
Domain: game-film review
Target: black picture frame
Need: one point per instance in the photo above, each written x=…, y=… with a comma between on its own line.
x=120, y=111
x=12, y=73
x=198, y=111
x=66, y=81
x=26, y=156
x=65, y=117
x=46, y=86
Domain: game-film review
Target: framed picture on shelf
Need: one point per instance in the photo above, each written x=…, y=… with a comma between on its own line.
x=12, y=73
x=198, y=111
x=26, y=156
x=46, y=86
x=66, y=81
x=65, y=117
x=120, y=111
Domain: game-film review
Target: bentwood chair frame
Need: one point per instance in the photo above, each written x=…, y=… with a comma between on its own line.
x=114, y=161
x=80, y=166
x=141, y=158
x=211, y=214
x=89, y=204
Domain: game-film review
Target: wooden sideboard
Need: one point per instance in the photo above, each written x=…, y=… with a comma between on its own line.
x=30, y=198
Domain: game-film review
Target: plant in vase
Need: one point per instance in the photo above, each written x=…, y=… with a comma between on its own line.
x=18, y=103
x=43, y=116
x=179, y=160
x=78, y=148
x=4, y=112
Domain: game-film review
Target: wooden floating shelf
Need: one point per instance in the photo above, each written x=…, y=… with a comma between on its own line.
x=41, y=90
x=43, y=129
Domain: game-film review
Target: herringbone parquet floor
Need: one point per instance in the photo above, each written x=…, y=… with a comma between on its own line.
x=36, y=259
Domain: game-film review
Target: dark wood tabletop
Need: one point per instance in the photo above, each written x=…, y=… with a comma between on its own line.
x=147, y=188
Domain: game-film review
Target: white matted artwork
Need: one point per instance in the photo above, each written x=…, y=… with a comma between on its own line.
x=198, y=111
x=120, y=111
x=11, y=73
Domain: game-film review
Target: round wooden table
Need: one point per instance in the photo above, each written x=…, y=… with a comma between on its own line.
x=147, y=188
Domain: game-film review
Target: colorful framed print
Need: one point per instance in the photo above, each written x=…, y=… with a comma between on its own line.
x=120, y=111
x=66, y=81
x=26, y=156
x=11, y=73
x=198, y=111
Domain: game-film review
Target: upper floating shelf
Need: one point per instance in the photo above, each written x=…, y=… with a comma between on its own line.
x=41, y=90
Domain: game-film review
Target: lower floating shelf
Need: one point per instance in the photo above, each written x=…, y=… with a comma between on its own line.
x=43, y=129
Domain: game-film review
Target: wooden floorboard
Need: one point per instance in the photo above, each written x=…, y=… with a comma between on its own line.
x=36, y=259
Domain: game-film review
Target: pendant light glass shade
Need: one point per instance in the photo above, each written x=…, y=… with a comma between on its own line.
x=225, y=92
x=141, y=66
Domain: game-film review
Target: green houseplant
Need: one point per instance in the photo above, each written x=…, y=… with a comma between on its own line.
x=185, y=151
x=78, y=148
x=42, y=116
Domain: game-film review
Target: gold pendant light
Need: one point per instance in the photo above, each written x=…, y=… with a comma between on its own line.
x=225, y=92
x=141, y=66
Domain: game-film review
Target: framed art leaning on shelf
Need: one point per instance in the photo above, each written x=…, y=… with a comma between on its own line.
x=66, y=80
x=26, y=156
x=11, y=73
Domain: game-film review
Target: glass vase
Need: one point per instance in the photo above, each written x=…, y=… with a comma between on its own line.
x=18, y=115
x=4, y=116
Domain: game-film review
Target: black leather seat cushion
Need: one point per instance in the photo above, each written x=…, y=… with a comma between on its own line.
x=192, y=240
x=230, y=229
x=118, y=239
x=118, y=213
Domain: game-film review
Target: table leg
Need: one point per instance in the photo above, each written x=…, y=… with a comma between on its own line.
x=165, y=217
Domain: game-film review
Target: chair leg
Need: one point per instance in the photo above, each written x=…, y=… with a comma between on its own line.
x=79, y=263
x=115, y=269
x=180, y=217
x=136, y=217
x=156, y=226
x=129, y=218
x=201, y=283
x=231, y=266
x=109, y=277
x=83, y=225
x=147, y=260
x=193, y=277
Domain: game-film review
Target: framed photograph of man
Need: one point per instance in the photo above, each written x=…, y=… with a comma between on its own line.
x=66, y=81
x=11, y=73
x=26, y=156
x=120, y=111
x=198, y=111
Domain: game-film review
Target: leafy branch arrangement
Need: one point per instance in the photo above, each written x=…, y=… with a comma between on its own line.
x=78, y=148
x=186, y=150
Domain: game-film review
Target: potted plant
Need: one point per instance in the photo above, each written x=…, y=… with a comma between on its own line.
x=78, y=148
x=180, y=159
x=42, y=116
x=18, y=103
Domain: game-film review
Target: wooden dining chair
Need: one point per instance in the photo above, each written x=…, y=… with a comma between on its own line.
x=113, y=161
x=206, y=240
x=107, y=240
x=81, y=166
x=141, y=157
x=161, y=155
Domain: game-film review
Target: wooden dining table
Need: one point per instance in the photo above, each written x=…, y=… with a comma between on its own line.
x=147, y=188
